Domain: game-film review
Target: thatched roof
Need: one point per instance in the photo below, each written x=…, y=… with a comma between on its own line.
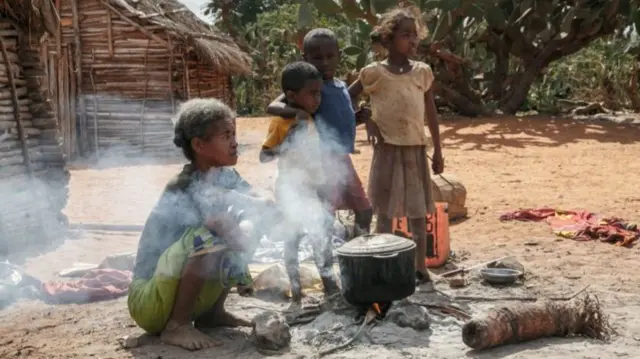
x=210, y=43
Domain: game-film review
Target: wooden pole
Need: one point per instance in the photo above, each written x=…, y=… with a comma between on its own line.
x=95, y=115
x=78, y=71
x=198, y=83
x=110, y=33
x=186, y=76
x=144, y=98
x=16, y=108
x=173, y=102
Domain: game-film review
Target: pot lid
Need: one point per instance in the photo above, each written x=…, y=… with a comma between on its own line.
x=375, y=244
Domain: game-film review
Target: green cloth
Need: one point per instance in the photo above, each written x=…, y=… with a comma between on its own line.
x=151, y=300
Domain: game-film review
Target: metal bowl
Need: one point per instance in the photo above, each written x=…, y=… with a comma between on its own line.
x=500, y=275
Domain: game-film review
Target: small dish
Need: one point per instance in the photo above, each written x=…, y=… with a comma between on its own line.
x=500, y=275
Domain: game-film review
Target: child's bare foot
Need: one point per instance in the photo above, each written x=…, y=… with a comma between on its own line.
x=222, y=318
x=187, y=337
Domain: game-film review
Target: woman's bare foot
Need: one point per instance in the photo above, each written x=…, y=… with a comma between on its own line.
x=187, y=337
x=221, y=318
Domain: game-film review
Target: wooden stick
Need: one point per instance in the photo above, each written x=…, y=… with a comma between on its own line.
x=466, y=269
x=16, y=109
x=95, y=115
x=110, y=33
x=173, y=102
x=186, y=75
x=163, y=13
x=447, y=309
x=521, y=299
x=368, y=318
x=78, y=70
x=144, y=97
x=133, y=23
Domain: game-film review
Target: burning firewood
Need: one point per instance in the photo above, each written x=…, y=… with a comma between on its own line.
x=529, y=321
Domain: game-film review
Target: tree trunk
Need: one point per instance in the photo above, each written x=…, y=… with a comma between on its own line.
x=520, y=89
x=632, y=90
x=500, y=46
x=460, y=104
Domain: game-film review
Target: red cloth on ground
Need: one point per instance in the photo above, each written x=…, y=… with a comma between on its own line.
x=580, y=225
x=96, y=285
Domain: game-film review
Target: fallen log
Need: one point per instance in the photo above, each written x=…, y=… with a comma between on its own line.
x=529, y=321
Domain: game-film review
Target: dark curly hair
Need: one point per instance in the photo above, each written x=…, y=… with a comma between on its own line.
x=315, y=34
x=389, y=21
x=295, y=76
x=195, y=118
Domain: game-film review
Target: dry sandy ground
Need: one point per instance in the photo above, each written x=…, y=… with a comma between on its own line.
x=505, y=164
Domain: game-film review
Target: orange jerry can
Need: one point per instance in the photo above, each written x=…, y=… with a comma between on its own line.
x=438, y=243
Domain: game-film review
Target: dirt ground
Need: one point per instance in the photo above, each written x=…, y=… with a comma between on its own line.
x=505, y=164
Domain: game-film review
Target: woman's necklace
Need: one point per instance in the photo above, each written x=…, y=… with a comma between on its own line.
x=401, y=68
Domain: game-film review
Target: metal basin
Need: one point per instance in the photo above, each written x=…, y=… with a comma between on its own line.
x=500, y=275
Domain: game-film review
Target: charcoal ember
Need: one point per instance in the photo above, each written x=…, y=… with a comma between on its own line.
x=407, y=314
x=270, y=331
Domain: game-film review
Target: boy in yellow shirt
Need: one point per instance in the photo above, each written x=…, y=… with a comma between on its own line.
x=300, y=188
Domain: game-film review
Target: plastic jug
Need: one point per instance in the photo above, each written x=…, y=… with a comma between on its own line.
x=438, y=242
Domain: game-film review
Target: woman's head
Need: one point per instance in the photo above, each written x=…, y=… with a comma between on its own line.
x=205, y=130
x=399, y=31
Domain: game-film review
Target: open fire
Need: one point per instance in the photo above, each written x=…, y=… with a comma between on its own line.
x=380, y=310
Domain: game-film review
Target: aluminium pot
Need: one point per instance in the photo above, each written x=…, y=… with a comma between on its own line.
x=377, y=268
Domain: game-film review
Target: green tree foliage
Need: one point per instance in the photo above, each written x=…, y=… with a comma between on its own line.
x=487, y=55
x=272, y=43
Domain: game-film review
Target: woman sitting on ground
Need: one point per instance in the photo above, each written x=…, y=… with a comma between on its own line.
x=192, y=249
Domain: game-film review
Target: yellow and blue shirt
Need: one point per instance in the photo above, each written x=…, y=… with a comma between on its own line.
x=301, y=147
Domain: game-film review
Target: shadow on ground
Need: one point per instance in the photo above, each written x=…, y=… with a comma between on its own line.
x=491, y=134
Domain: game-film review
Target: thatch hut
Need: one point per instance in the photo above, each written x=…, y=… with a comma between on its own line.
x=33, y=179
x=138, y=59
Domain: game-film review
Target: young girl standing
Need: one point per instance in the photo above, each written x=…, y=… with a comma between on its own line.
x=402, y=102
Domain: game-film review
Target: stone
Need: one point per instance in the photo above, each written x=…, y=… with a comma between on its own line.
x=129, y=342
x=457, y=282
x=271, y=331
x=406, y=314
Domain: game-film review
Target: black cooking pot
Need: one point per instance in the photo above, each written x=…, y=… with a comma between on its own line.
x=377, y=268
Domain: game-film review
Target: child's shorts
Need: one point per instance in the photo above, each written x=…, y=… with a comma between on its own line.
x=151, y=300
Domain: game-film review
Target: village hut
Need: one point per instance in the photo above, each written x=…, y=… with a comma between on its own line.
x=33, y=179
x=126, y=66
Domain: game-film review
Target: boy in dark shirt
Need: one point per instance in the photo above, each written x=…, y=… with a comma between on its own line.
x=336, y=124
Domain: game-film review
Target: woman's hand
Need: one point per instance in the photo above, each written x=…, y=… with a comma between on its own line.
x=373, y=133
x=238, y=236
x=363, y=115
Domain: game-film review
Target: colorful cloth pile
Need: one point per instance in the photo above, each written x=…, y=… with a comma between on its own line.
x=580, y=225
x=95, y=285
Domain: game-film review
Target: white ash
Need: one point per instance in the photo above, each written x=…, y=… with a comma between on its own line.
x=270, y=331
x=406, y=314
